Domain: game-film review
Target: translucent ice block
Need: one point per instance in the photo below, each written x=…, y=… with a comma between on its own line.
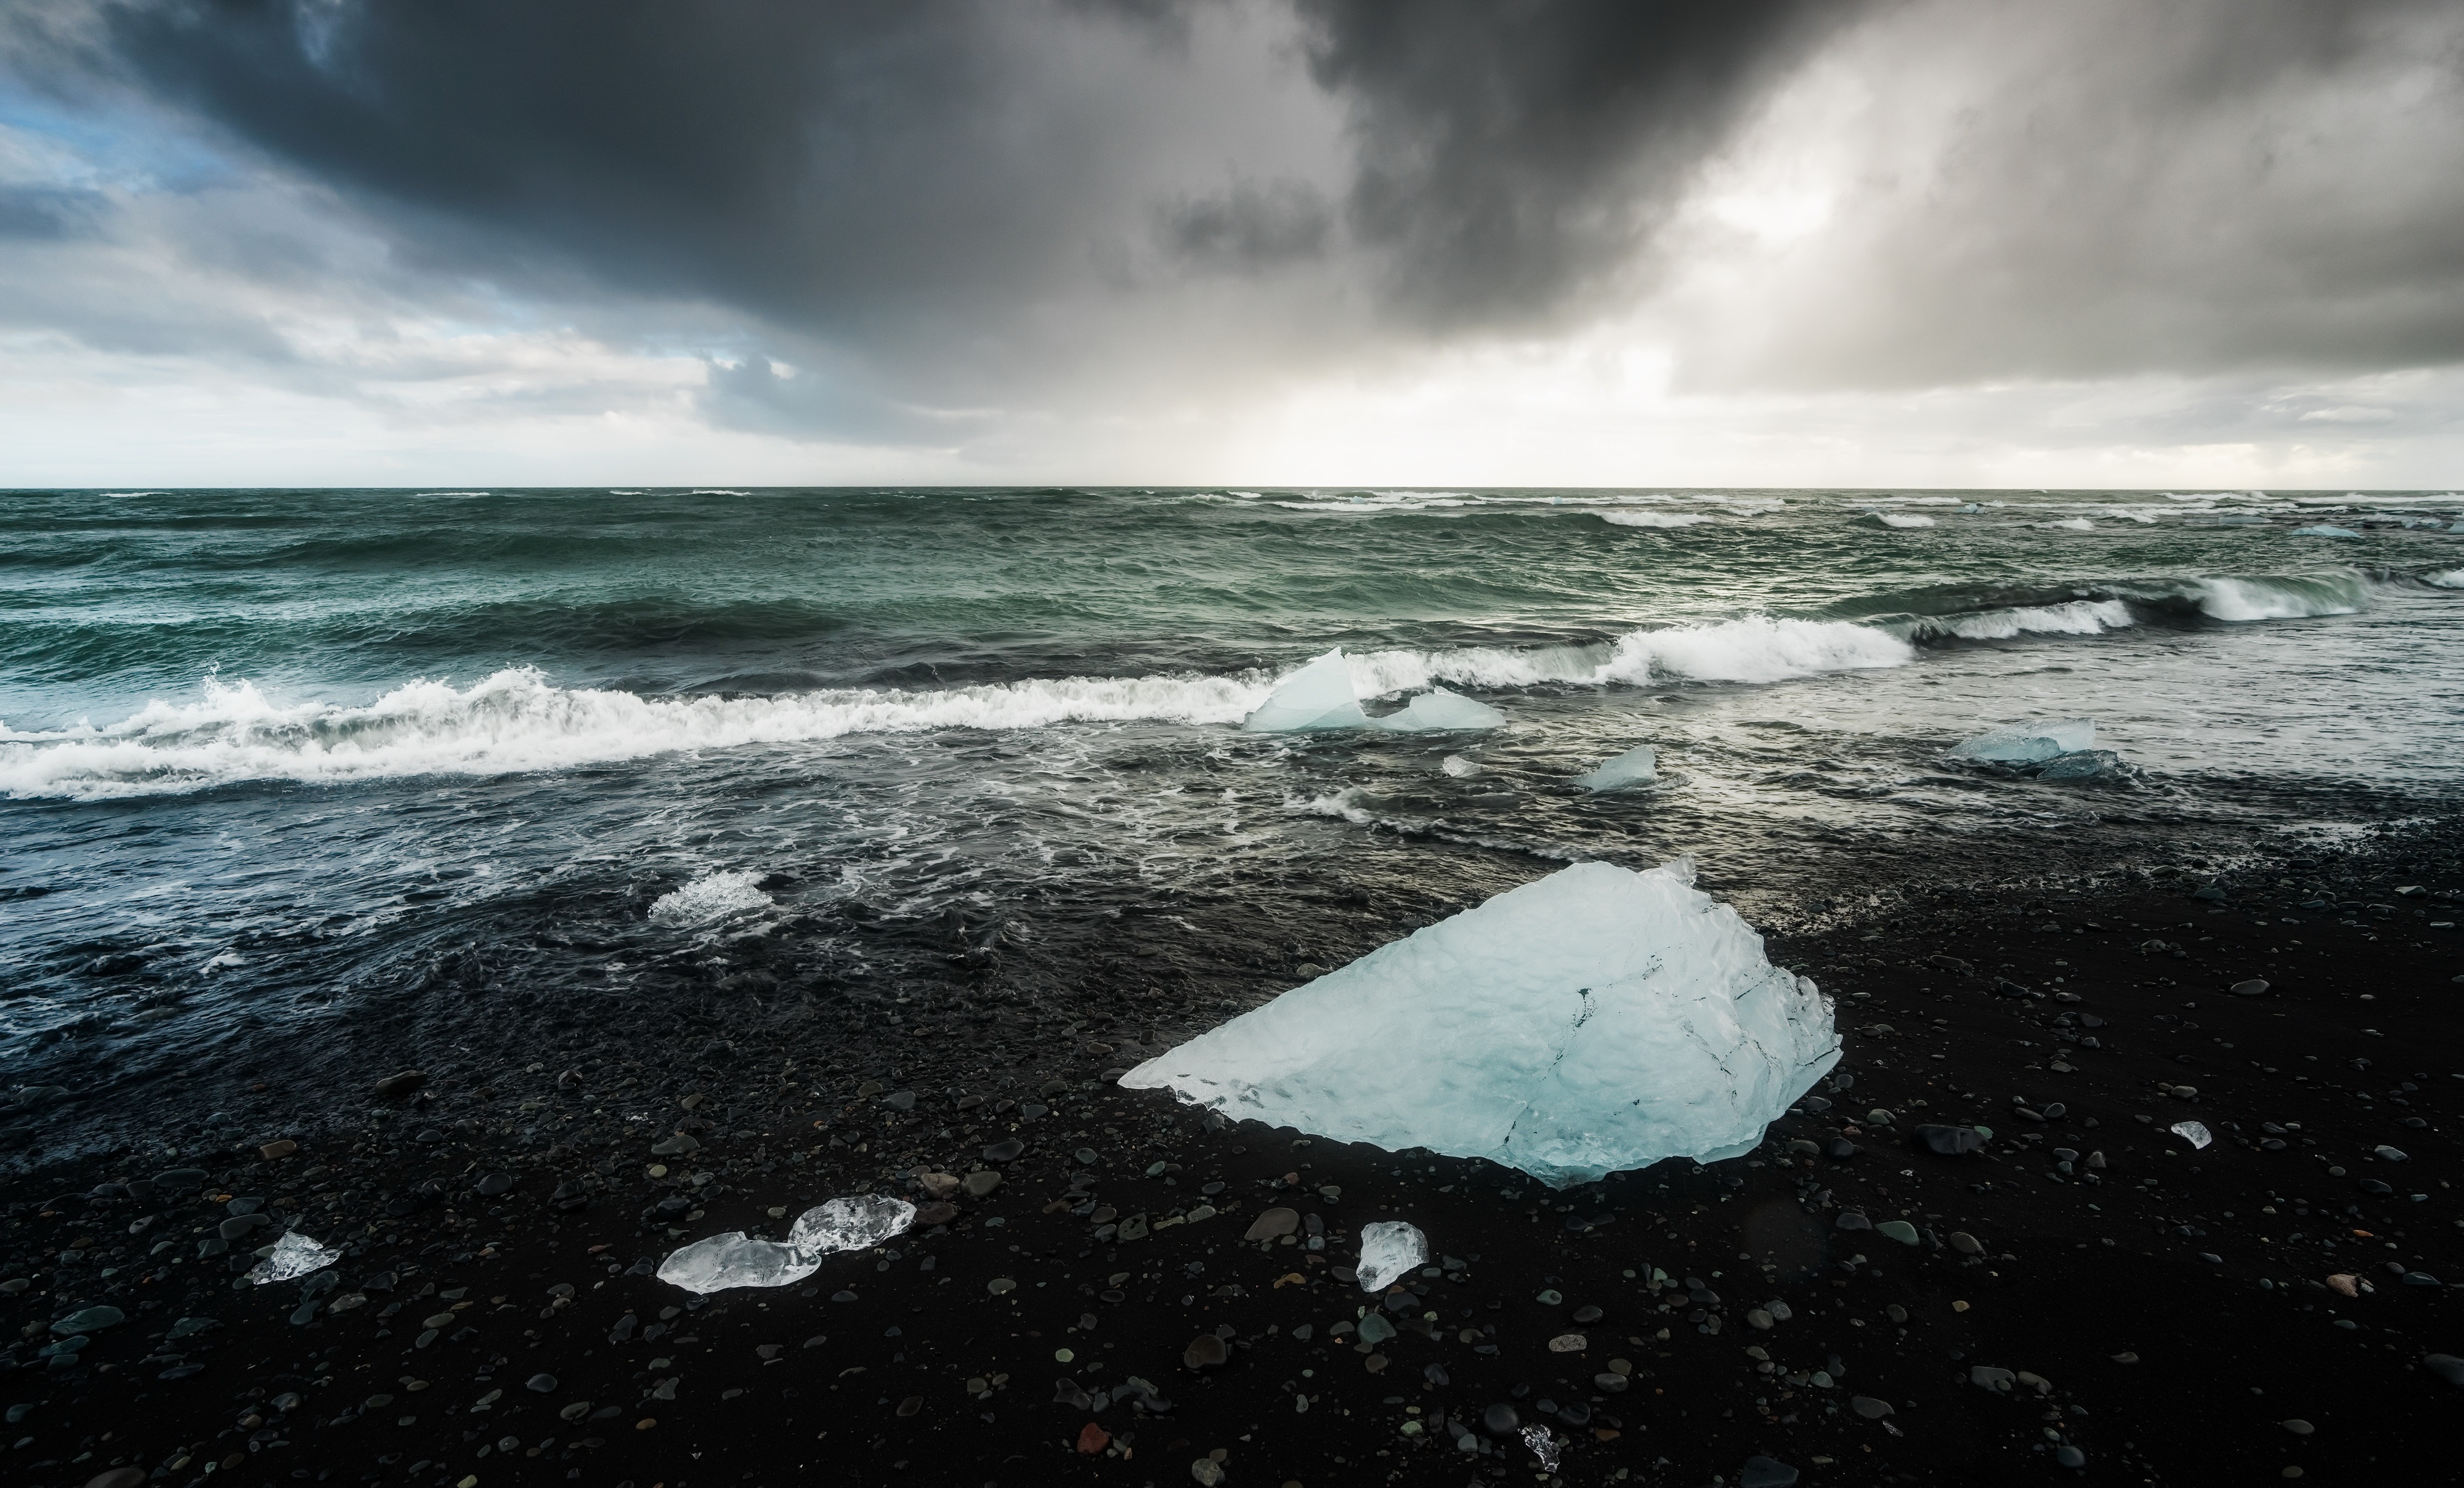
x=850, y=1224
x=1636, y=766
x=1595, y=1020
x=295, y=1255
x=1438, y=709
x=1390, y=1249
x=735, y=1260
x=1316, y=697
x=2026, y=743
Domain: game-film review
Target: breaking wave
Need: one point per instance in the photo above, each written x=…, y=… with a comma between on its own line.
x=516, y=721
x=1655, y=518
x=2451, y=578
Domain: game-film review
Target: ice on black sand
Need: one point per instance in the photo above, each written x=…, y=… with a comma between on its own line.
x=2193, y=1132
x=1389, y=1248
x=1319, y=698
x=738, y=1260
x=1597, y=1020
x=295, y=1255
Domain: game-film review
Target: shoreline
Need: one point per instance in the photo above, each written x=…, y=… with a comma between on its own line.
x=2070, y=1271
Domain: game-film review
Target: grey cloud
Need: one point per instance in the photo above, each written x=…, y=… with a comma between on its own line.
x=1248, y=227
x=2106, y=188
x=48, y=212
x=1513, y=154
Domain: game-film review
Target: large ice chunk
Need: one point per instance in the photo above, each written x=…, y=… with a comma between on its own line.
x=1439, y=710
x=735, y=1260
x=1388, y=1249
x=850, y=1224
x=1319, y=696
x=1636, y=766
x=2026, y=743
x=1598, y=1020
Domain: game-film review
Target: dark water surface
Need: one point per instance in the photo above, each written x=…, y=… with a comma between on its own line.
x=311, y=771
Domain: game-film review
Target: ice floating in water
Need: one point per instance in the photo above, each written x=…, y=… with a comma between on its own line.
x=1900, y=518
x=1438, y=709
x=295, y=1255
x=738, y=1260
x=2028, y=743
x=1319, y=698
x=2325, y=530
x=1636, y=766
x=1459, y=767
x=712, y=896
x=2453, y=579
x=857, y=1223
x=1595, y=1020
x=2193, y=1132
x=735, y=1260
x=1389, y=1248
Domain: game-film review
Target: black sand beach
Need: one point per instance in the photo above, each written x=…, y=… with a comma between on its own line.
x=2089, y=1289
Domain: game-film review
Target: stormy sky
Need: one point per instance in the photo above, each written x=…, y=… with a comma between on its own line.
x=2207, y=242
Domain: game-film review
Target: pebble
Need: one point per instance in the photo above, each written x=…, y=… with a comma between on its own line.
x=999, y=1285
x=89, y=1321
x=1007, y=1151
x=118, y=1478
x=1500, y=1419
x=1869, y=1407
x=1569, y=1343
x=2446, y=1366
x=1588, y=1313
x=544, y=1384
x=1207, y=1471
x=1850, y=1220
x=1898, y=1230
x=1760, y=1472
x=979, y=1183
x=1966, y=1243
x=939, y=1212
x=2298, y=1427
x=2070, y=1456
x=394, y=1088
x=1205, y=1352
x=1273, y=1224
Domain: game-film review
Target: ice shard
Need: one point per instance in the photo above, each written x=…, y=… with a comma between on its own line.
x=1316, y=697
x=735, y=1260
x=2027, y=743
x=1319, y=698
x=1439, y=710
x=1595, y=1020
x=295, y=1255
x=1389, y=1250
x=738, y=1259
x=857, y=1223
x=1636, y=766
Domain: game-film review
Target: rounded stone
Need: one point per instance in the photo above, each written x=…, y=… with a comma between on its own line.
x=545, y=1384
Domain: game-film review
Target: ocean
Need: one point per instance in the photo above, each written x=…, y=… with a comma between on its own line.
x=294, y=779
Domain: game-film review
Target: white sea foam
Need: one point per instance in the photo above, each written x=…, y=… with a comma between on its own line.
x=2280, y=598
x=712, y=896
x=718, y=491
x=2079, y=617
x=2071, y=524
x=1655, y=518
x=2451, y=578
x=1901, y=518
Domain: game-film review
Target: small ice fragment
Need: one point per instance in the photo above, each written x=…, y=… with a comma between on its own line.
x=857, y=1223
x=1595, y=1020
x=1636, y=766
x=1389, y=1248
x=712, y=896
x=1459, y=767
x=2325, y=530
x=1440, y=711
x=2027, y=743
x=735, y=1260
x=1543, y=1446
x=2193, y=1132
x=1316, y=697
x=295, y=1255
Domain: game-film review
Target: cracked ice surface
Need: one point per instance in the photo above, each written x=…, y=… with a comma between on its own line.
x=1597, y=1020
x=295, y=1255
x=1389, y=1248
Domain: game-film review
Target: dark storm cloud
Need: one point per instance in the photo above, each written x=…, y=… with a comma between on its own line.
x=1513, y=151
x=935, y=205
